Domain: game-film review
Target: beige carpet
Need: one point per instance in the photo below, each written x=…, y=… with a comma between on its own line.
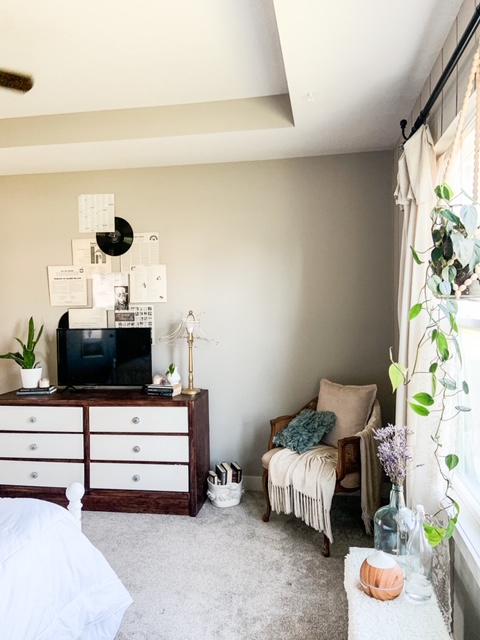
x=228, y=575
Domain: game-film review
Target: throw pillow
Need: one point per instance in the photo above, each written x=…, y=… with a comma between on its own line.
x=305, y=430
x=351, y=404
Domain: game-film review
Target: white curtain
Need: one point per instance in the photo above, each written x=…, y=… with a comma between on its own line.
x=415, y=194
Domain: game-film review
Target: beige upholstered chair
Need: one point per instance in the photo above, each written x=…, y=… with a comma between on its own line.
x=357, y=467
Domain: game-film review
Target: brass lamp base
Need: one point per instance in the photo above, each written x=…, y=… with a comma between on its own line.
x=191, y=391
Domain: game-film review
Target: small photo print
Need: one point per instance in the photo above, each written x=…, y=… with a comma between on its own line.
x=121, y=298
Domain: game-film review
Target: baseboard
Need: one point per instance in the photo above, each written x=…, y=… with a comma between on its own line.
x=252, y=483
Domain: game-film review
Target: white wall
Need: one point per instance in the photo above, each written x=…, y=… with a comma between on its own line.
x=289, y=261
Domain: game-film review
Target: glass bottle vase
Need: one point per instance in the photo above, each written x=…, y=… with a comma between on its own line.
x=418, y=575
x=390, y=530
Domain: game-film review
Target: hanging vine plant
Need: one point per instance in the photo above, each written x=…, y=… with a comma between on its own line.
x=453, y=266
x=455, y=254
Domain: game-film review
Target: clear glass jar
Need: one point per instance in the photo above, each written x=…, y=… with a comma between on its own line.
x=390, y=526
x=418, y=574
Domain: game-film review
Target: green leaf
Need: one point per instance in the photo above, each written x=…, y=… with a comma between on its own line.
x=465, y=387
x=448, y=273
x=421, y=411
x=436, y=254
x=451, y=460
x=433, y=367
x=415, y=310
x=415, y=256
x=457, y=348
x=457, y=510
x=463, y=248
x=433, y=283
x=448, y=383
x=442, y=346
x=434, y=535
x=449, y=531
x=31, y=334
x=449, y=215
x=28, y=360
x=461, y=407
x=453, y=322
x=445, y=288
x=16, y=357
x=443, y=308
x=424, y=398
x=452, y=306
x=469, y=217
x=434, y=384
x=444, y=191
x=397, y=374
x=475, y=259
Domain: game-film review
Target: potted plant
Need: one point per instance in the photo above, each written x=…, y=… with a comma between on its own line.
x=172, y=374
x=455, y=254
x=453, y=266
x=30, y=370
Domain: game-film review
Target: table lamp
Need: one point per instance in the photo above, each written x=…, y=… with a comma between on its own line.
x=189, y=329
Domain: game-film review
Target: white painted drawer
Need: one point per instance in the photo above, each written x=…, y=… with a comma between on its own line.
x=34, y=418
x=41, y=445
x=139, y=448
x=139, y=419
x=139, y=477
x=40, y=474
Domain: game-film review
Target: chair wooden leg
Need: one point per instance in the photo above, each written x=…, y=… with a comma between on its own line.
x=266, y=515
x=326, y=547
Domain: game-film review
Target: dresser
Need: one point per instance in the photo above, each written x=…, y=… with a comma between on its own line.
x=133, y=452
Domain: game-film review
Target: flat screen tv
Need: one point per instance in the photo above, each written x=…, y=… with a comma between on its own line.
x=104, y=357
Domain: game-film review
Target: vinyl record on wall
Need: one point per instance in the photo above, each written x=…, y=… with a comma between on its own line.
x=118, y=242
x=63, y=323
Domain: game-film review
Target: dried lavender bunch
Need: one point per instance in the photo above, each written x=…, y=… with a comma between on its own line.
x=393, y=451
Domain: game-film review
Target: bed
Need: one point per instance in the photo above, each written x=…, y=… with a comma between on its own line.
x=54, y=584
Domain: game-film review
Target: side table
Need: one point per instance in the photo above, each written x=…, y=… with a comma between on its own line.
x=398, y=619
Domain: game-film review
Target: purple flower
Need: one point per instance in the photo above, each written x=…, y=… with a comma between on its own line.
x=393, y=451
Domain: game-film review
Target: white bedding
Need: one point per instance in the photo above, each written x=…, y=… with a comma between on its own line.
x=54, y=584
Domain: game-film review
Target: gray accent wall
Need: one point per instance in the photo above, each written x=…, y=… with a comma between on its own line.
x=289, y=262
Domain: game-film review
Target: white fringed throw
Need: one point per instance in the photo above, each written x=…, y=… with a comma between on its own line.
x=304, y=484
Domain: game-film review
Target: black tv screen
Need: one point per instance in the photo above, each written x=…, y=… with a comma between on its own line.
x=104, y=357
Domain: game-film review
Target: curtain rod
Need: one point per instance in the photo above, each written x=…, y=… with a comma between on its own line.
x=452, y=63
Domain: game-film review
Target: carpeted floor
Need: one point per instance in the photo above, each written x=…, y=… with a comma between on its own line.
x=227, y=574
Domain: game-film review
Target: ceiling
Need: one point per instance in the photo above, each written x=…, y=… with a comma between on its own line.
x=121, y=84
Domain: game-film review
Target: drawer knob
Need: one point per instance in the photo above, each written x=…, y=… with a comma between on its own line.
x=34, y=474
x=33, y=419
x=136, y=449
x=135, y=420
x=33, y=447
x=136, y=478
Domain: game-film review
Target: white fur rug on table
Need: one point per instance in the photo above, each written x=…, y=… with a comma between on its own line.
x=399, y=619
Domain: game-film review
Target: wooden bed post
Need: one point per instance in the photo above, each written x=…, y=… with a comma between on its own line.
x=74, y=494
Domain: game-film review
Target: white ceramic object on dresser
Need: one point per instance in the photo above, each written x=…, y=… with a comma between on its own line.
x=31, y=377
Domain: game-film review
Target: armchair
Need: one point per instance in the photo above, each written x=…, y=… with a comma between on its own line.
x=349, y=463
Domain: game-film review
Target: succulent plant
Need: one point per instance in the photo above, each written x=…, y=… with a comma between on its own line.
x=26, y=358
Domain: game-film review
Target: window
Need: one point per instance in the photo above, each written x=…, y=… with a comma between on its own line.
x=469, y=433
x=466, y=480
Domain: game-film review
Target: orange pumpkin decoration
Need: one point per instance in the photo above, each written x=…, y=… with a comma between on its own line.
x=381, y=576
